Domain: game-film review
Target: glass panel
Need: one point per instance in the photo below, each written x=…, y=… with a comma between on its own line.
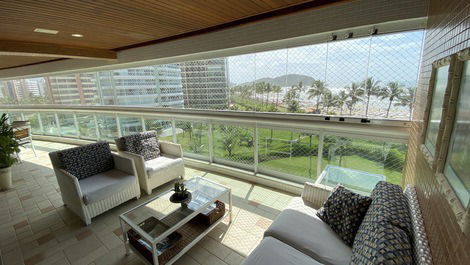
x=234, y=143
x=435, y=113
x=87, y=126
x=288, y=152
x=163, y=128
x=49, y=124
x=253, y=82
x=14, y=116
x=33, y=119
x=193, y=137
x=108, y=127
x=369, y=156
x=67, y=125
x=457, y=168
x=130, y=125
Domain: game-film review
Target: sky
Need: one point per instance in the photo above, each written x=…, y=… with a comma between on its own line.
x=388, y=57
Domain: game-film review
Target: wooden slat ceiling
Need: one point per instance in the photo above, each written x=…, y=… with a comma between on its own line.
x=120, y=24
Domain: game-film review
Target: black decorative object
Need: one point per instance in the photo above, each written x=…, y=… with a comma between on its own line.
x=181, y=195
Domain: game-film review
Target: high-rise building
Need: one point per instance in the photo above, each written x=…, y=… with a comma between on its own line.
x=17, y=90
x=72, y=89
x=158, y=85
x=205, y=84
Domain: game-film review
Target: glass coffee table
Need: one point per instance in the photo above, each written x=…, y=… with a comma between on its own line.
x=160, y=232
x=359, y=181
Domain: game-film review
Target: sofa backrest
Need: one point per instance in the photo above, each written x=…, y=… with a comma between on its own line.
x=84, y=161
x=422, y=252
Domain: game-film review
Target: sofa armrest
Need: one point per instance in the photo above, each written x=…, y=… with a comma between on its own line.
x=171, y=149
x=69, y=185
x=315, y=193
x=125, y=164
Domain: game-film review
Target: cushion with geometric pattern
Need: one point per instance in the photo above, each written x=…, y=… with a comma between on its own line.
x=384, y=236
x=344, y=211
x=87, y=160
x=381, y=243
x=149, y=148
x=389, y=204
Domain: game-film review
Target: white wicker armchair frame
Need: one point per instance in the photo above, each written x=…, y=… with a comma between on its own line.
x=73, y=197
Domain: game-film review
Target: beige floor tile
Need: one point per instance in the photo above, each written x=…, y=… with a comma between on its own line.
x=36, y=228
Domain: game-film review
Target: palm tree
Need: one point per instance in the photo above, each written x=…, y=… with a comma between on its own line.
x=319, y=88
x=329, y=100
x=391, y=92
x=371, y=88
x=277, y=90
x=268, y=89
x=407, y=99
x=342, y=98
x=355, y=93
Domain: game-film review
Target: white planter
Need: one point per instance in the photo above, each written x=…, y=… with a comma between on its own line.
x=5, y=178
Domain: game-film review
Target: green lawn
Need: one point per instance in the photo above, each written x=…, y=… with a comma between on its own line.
x=300, y=166
x=275, y=149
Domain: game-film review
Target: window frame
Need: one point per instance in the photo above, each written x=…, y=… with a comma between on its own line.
x=461, y=212
x=429, y=156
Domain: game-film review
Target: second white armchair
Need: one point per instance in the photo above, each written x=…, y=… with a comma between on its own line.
x=157, y=162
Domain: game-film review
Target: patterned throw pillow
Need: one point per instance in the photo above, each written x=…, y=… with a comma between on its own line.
x=343, y=211
x=149, y=148
x=88, y=160
x=144, y=144
x=384, y=236
x=381, y=243
x=389, y=204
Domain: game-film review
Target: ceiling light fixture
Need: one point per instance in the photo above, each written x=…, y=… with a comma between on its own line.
x=77, y=35
x=46, y=31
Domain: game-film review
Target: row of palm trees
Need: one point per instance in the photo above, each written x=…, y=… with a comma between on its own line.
x=325, y=99
x=364, y=91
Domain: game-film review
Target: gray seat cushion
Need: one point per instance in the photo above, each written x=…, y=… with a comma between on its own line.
x=300, y=227
x=164, y=162
x=273, y=252
x=103, y=185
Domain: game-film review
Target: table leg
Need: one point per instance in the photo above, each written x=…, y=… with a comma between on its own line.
x=124, y=237
x=230, y=205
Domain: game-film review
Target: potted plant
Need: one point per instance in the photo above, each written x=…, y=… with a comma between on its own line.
x=8, y=148
x=181, y=195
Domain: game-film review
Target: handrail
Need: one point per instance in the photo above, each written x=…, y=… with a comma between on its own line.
x=380, y=129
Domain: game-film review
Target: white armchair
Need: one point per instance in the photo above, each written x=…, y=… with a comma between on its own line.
x=93, y=180
x=167, y=165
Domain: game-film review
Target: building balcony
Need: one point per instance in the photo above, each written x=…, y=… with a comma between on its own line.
x=265, y=158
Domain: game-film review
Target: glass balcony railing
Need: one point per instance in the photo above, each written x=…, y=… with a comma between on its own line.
x=295, y=147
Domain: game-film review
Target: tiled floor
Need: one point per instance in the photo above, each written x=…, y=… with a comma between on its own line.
x=35, y=227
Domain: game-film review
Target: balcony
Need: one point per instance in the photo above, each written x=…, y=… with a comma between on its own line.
x=265, y=158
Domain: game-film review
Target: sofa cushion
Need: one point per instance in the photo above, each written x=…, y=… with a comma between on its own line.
x=381, y=243
x=272, y=251
x=389, y=204
x=300, y=227
x=105, y=184
x=149, y=148
x=384, y=236
x=88, y=160
x=164, y=162
x=343, y=211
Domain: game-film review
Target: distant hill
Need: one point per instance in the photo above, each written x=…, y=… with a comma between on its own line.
x=286, y=80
